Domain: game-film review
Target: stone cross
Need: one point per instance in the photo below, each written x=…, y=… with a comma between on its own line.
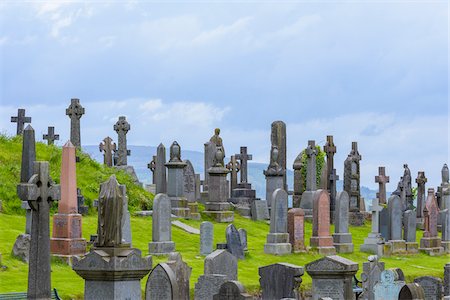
x=376, y=208
x=420, y=180
x=51, y=137
x=122, y=127
x=243, y=157
x=152, y=166
x=108, y=147
x=381, y=179
x=355, y=152
x=311, y=179
x=330, y=150
x=40, y=191
x=27, y=168
x=234, y=166
x=75, y=111
x=20, y=120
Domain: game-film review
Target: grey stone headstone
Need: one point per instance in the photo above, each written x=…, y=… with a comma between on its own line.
x=447, y=279
x=243, y=236
x=409, y=222
x=384, y=224
x=121, y=127
x=206, y=238
x=278, y=138
x=341, y=213
x=432, y=287
x=259, y=210
x=221, y=262
x=279, y=211
x=126, y=221
x=445, y=216
x=210, y=152
x=370, y=276
x=421, y=180
x=189, y=182
x=280, y=280
x=311, y=153
x=182, y=274
x=161, y=284
x=412, y=291
x=395, y=208
x=234, y=244
x=208, y=285
x=232, y=290
x=160, y=170
x=161, y=226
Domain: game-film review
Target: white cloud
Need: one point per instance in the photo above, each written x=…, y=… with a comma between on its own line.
x=221, y=32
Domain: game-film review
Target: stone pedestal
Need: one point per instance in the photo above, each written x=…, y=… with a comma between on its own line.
x=273, y=182
x=217, y=206
x=431, y=246
x=278, y=244
x=161, y=248
x=193, y=211
x=446, y=246
x=243, y=196
x=396, y=247
x=67, y=240
x=356, y=218
x=412, y=247
x=343, y=242
x=324, y=244
x=373, y=244
x=175, y=188
x=113, y=273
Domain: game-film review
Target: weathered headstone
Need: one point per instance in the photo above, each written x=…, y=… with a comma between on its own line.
x=407, y=188
x=384, y=228
x=373, y=242
x=432, y=287
x=332, y=188
x=274, y=175
x=370, y=276
x=234, y=244
x=121, y=127
x=206, y=238
x=306, y=202
x=342, y=239
x=109, y=148
x=259, y=210
x=445, y=188
x=298, y=181
x=51, y=137
x=162, y=283
x=445, y=217
x=430, y=243
x=381, y=179
x=412, y=291
x=447, y=279
x=421, y=180
x=278, y=139
x=332, y=277
x=220, y=266
x=352, y=177
x=189, y=181
x=321, y=238
x=278, y=238
x=210, y=153
x=409, y=231
x=296, y=229
x=232, y=290
x=40, y=191
x=389, y=286
x=126, y=220
x=161, y=226
x=280, y=280
x=20, y=120
x=160, y=170
x=243, y=237
x=182, y=274
x=75, y=111
x=330, y=150
x=395, y=207
x=67, y=239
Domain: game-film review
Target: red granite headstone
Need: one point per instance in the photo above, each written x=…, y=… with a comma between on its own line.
x=296, y=229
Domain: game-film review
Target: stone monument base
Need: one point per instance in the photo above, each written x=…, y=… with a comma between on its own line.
x=343, y=242
x=324, y=244
x=161, y=248
x=278, y=244
x=204, y=197
x=412, y=247
x=356, y=218
x=220, y=216
x=373, y=244
x=179, y=207
x=419, y=223
x=208, y=285
x=446, y=246
x=112, y=273
x=193, y=211
x=396, y=247
x=431, y=246
x=67, y=247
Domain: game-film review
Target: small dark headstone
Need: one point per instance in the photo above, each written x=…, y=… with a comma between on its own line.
x=232, y=290
x=412, y=291
x=234, y=244
x=432, y=287
x=280, y=280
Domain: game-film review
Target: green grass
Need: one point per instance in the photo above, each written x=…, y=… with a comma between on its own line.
x=71, y=286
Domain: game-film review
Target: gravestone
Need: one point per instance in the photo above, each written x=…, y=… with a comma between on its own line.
x=407, y=188
x=299, y=181
x=51, y=137
x=332, y=189
x=162, y=284
x=67, y=239
x=330, y=150
x=126, y=221
x=332, y=277
x=220, y=266
x=175, y=182
x=160, y=170
x=352, y=177
x=206, y=238
x=190, y=190
x=370, y=276
x=234, y=166
x=20, y=120
x=321, y=238
x=232, y=290
x=82, y=209
x=447, y=279
x=280, y=280
x=259, y=210
x=421, y=180
x=243, y=237
x=412, y=291
x=396, y=241
x=161, y=226
x=373, y=242
x=40, y=192
x=430, y=243
x=296, y=229
x=121, y=127
x=121, y=267
x=409, y=231
x=278, y=139
x=445, y=188
x=210, y=153
x=445, y=217
x=234, y=244
x=182, y=274
x=217, y=206
x=381, y=179
x=389, y=285
x=274, y=175
x=342, y=239
x=432, y=287
x=75, y=111
x=306, y=202
x=384, y=228
x=278, y=238
x=109, y=148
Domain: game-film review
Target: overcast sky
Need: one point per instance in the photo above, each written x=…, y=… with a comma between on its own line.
x=373, y=72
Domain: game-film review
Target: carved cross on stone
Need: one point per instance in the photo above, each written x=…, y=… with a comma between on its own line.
x=355, y=152
x=51, y=137
x=330, y=150
x=234, y=166
x=75, y=111
x=152, y=166
x=20, y=120
x=311, y=153
x=244, y=157
x=122, y=127
x=381, y=179
x=108, y=147
x=40, y=191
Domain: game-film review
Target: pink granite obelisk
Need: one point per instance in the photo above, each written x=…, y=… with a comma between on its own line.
x=67, y=240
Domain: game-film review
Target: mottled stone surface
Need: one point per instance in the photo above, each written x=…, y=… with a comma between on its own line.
x=121, y=155
x=189, y=181
x=278, y=238
x=234, y=244
x=50, y=136
x=259, y=210
x=352, y=177
x=161, y=226
x=26, y=170
x=160, y=170
x=421, y=180
x=280, y=280
x=381, y=179
x=232, y=290
x=182, y=274
x=395, y=218
x=21, y=248
x=370, y=276
x=278, y=139
x=162, y=284
x=206, y=238
x=296, y=229
x=389, y=286
x=447, y=279
x=299, y=181
x=243, y=236
x=321, y=238
x=20, y=120
x=342, y=239
x=108, y=147
x=432, y=287
x=412, y=291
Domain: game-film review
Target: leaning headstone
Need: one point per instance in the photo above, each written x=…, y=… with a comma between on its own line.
x=278, y=139
x=342, y=239
x=220, y=266
x=232, y=290
x=234, y=244
x=280, y=280
x=75, y=111
x=161, y=226
x=20, y=120
x=273, y=174
x=121, y=267
x=370, y=276
x=278, y=238
x=332, y=277
x=421, y=180
x=432, y=287
x=445, y=217
x=299, y=181
x=51, y=137
x=306, y=202
x=40, y=192
x=321, y=238
x=296, y=229
x=409, y=231
x=109, y=148
x=182, y=274
x=82, y=209
x=430, y=243
x=412, y=291
x=396, y=241
x=373, y=242
x=259, y=210
x=162, y=284
x=389, y=286
x=206, y=238
x=243, y=236
x=67, y=239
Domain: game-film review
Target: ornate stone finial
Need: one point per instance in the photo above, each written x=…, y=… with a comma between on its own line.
x=274, y=166
x=175, y=152
x=218, y=157
x=445, y=174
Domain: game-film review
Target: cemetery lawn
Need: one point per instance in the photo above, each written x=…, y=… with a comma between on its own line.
x=71, y=286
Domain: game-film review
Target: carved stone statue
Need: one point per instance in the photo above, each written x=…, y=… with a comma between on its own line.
x=274, y=166
x=217, y=140
x=110, y=210
x=218, y=157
